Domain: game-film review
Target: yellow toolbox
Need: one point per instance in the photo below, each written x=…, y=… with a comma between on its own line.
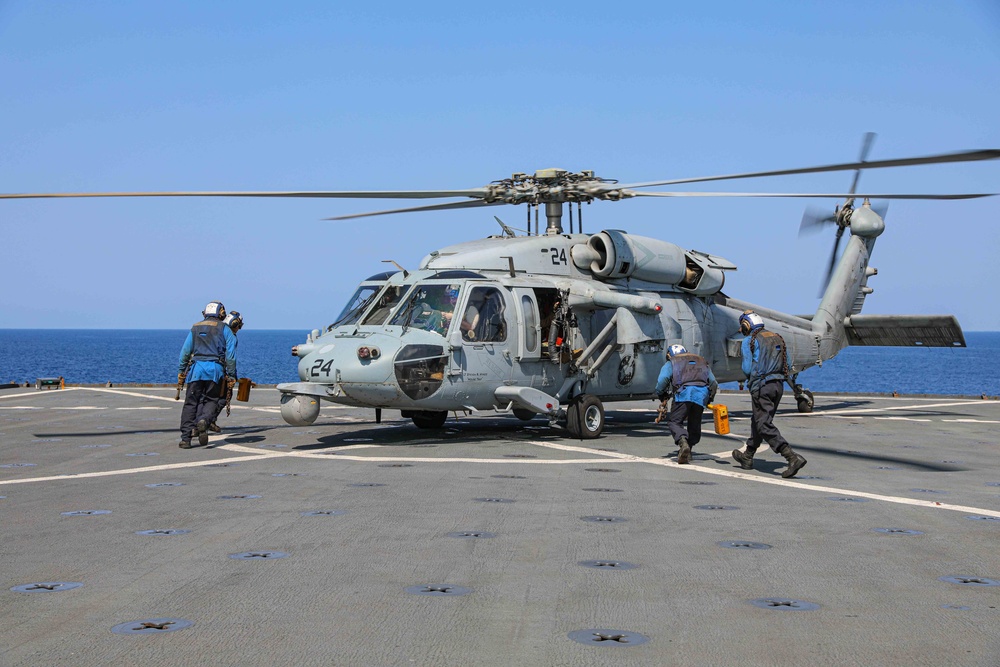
x=721, y=415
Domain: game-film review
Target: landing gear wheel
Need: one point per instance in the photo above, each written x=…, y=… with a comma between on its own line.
x=805, y=401
x=585, y=417
x=523, y=415
x=431, y=420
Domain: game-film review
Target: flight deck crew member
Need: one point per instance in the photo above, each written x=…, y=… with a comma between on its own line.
x=212, y=348
x=235, y=322
x=691, y=381
x=765, y=364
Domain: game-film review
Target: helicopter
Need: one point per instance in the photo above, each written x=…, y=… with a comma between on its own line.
x=558, y=322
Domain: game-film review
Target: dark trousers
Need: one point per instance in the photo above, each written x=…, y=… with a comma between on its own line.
x=685, y=411
x=200, y=402
x=765, y=404
x=220, y=405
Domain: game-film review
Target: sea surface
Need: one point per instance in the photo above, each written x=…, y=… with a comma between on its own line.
x=97, y=356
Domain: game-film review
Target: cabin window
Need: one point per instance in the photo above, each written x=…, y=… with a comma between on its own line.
x=530, y=324
x=484, y=321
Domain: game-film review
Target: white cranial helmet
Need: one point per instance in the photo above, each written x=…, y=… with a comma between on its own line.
x=215, y=309
x=674, y=350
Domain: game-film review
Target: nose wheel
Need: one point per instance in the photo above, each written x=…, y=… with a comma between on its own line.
x=428, y=419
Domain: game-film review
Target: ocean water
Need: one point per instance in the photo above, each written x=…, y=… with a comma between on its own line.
x=96, y=356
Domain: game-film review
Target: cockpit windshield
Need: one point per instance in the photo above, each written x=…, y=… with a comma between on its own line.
x=356, y=305
x=429, y=307
x=386, y=302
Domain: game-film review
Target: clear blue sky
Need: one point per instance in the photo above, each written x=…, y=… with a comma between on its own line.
x=117, y=96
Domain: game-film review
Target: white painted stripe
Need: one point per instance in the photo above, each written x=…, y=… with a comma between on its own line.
x=21, y=407
x=128, y=393
x=131, y=471
x=972, y=421
x=37, y=393
x=922, y=406
x=409, y=459
x=903, y=419
x=171, y=398
x=777, y=481
x=78, y=407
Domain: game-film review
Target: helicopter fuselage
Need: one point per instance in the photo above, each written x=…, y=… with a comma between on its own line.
x=557, y=328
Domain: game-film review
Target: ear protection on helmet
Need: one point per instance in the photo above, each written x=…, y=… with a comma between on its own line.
x=234, y=320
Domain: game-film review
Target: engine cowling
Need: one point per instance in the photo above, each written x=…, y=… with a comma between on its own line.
x=614, y=255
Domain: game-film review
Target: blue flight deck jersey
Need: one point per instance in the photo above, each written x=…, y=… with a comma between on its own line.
x=209, y=370
x=689, y=393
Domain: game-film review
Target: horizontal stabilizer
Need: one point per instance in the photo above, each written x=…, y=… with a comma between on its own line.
x=904, y=330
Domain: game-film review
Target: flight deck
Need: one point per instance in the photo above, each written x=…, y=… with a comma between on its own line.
x=337, y=543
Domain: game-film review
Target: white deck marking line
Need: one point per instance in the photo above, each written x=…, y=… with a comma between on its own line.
x=923, y=406
x=77, y=407
x=407, y=459
x=904, y=419
x=130, y=471
x=972, y=421
x=37, y=393
x=179, y=402
x=778, y=482
x=21, y=407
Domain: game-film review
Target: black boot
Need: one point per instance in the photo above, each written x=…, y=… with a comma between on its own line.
x=684, y=453
x=795, y=462
x=202, y=430
x=745, y=459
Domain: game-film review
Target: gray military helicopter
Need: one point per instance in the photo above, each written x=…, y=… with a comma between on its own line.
x=558, y=322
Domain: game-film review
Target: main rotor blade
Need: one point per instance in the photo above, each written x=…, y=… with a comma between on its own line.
x=429, y=207
x=962, y=156
x=346, y=194
x=807, y=195
x=866, y=146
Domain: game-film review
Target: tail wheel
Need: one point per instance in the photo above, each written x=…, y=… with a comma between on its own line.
x=430, y=420
x=585, y=417
x=805, y=401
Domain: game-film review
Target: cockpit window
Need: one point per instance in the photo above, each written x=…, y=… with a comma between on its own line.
x=356, y=306
x=385, y=303
x=429, y=307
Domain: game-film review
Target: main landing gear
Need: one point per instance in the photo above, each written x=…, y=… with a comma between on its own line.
x=585, y=417
x=803, y=397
